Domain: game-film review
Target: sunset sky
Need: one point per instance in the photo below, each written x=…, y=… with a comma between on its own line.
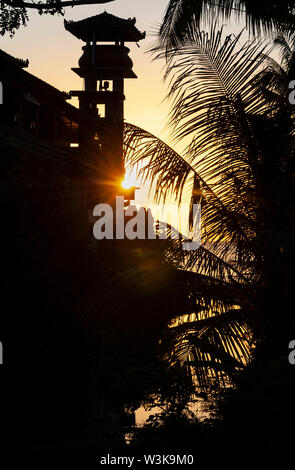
x=52, y=51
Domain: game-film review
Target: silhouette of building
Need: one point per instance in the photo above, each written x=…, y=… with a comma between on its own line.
x=35, y=114
x=104, y=65
x=56, y=159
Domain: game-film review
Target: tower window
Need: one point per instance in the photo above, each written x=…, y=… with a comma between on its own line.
x=101, y=109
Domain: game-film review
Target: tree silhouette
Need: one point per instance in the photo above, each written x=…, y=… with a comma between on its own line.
x=263, y=16
x=240, y=165
x=14, y=13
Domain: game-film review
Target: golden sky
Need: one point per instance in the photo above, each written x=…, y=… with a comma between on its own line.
x=52, y=51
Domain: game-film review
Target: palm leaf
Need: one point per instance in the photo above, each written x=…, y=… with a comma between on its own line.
x=263, y=16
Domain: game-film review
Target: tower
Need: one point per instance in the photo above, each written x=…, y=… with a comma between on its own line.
x=104, y=65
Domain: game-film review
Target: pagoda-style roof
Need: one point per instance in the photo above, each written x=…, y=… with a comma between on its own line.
x=106, y=28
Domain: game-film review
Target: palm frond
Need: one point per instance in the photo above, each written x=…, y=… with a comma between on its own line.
x=171, y=172
x=206, y=332
x=260, y=17
x=241, y=148
x=215, y=348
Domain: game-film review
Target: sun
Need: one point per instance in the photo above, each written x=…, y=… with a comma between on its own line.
x=129, y=180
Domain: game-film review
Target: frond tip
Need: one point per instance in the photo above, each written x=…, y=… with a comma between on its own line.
x=264, y=16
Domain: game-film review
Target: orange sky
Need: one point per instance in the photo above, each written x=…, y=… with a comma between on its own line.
x=52, y=52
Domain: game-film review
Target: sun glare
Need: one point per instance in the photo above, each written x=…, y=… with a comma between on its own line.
x=129, y=181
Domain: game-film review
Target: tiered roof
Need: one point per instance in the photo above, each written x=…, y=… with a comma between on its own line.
x=106, y=27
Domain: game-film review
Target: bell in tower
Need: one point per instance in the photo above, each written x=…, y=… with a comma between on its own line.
x=104, y=65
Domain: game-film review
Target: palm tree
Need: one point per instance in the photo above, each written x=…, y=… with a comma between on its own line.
x=240, y=165
x=260, y=16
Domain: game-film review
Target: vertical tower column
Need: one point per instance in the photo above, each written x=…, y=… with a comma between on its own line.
x=105, y=60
